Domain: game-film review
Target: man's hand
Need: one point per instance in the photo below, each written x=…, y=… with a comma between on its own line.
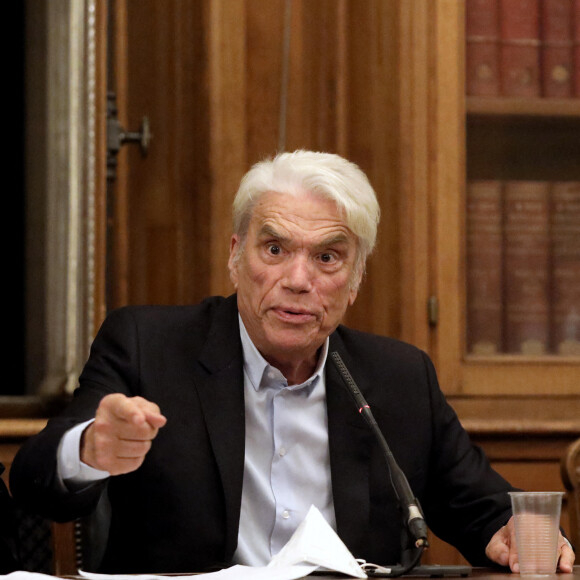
x=121, y=434
x=502, y=549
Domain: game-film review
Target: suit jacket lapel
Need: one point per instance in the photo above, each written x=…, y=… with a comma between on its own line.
x=350, y=442
x=221, y=391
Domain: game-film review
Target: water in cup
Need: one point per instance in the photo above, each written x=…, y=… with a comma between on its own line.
x=537, y=523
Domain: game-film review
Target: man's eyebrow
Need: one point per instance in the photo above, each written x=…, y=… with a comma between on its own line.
x=340, y=238
x=333, y=240
x=268, y=231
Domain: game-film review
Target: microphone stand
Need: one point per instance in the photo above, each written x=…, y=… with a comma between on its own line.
x=414, y=532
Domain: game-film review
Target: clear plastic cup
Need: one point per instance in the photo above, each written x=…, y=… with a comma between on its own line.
x=537, y=522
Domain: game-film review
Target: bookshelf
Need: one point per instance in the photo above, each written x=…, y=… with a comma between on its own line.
x=526, y=148
x=523, y=409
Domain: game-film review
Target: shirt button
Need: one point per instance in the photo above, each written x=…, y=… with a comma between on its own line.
x=285, y=514
x=282, y=451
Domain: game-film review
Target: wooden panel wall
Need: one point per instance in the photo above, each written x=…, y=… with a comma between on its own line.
x=223, y=87
x=374, y=142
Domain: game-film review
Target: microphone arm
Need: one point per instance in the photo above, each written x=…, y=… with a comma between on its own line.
x=407, y=502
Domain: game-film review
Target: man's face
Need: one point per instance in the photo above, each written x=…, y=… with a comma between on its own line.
x=295, y=276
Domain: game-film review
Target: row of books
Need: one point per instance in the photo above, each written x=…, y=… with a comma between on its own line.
x=523, y=48
x=523, y=267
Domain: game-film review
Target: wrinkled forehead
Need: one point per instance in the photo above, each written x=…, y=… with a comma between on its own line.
x=308, y=211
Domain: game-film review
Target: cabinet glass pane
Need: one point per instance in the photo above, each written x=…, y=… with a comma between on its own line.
x=523, y=267
x=523, y=178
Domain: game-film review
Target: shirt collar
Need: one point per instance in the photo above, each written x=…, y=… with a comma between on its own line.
x=257, y=367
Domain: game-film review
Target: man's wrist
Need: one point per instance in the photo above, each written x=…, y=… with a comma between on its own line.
x=71, y=469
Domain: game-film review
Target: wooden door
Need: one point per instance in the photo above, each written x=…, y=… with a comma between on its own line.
x=168, y=210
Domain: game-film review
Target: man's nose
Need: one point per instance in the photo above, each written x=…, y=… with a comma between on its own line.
x=298, y=274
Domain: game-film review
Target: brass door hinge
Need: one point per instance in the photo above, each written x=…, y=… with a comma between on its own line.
x=433, y=310
x=117, y=136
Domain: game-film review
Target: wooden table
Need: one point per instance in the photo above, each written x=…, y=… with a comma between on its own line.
x=481, y=574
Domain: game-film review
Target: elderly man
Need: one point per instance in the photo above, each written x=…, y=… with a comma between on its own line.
x=213, y=428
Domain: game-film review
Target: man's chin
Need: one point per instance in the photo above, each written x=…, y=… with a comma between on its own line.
x=294, y=345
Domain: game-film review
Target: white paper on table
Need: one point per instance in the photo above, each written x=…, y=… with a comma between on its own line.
x=22, y=575
x=234, y=573
x=315, y=542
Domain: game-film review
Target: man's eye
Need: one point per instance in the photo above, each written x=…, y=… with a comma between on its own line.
x=274, y=249
x=326, y=258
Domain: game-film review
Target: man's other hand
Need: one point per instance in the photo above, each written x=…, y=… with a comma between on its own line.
x=121, y=434
x=502, y=549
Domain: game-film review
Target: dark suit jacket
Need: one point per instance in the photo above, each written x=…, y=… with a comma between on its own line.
x=179, y=512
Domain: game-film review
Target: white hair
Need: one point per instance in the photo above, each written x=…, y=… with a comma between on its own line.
x=326, y=174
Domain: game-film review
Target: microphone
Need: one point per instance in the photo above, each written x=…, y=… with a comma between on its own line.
x=407, y=502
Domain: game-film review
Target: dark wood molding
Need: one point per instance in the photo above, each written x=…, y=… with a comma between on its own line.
x=519, y=416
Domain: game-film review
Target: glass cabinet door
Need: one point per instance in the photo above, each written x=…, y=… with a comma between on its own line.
x=522, y=194
x=523, y=245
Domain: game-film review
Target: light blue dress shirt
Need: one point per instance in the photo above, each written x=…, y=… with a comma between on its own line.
x=287, y=461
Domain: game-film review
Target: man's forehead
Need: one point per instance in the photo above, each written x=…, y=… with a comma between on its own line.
x=286, y=217
x=281, y=225
x=306, y=207
x=325, y=236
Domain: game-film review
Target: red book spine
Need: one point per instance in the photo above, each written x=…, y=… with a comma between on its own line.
x=484, y=267
x=520, y=48
x=526, y=266
x=557, y=66
x=482, y=47
x=576, y=34
x=565, y=254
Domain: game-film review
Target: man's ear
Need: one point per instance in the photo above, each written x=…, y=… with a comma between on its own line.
x=355, y=286
x=232, y=262
x=352, y=296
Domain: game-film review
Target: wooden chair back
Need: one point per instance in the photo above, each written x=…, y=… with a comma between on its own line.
x=570, y=469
